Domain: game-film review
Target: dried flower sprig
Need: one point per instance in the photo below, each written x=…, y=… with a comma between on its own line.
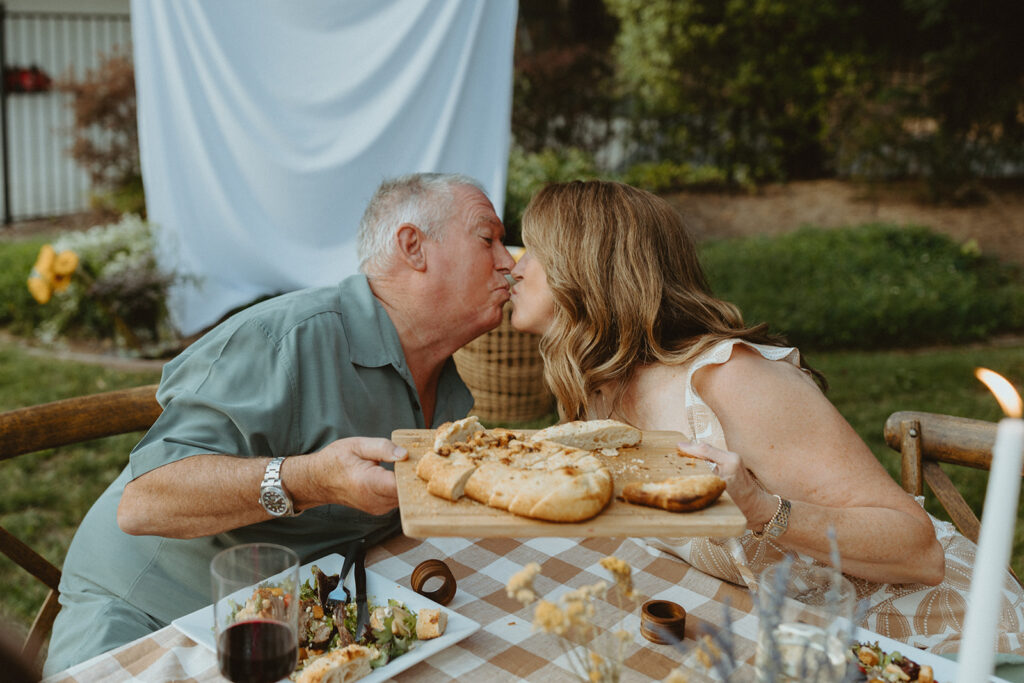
x=591, y=656
x=716, y=649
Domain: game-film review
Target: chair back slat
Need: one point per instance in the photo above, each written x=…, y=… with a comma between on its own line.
x=74, y=420
x=950, y=439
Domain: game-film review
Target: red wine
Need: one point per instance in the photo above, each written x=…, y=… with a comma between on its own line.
x=257, y=651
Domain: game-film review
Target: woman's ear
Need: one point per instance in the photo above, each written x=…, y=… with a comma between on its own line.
x=409, y=241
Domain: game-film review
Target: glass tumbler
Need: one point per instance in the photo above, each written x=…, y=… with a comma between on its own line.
x=805, y=623
x=255, y=609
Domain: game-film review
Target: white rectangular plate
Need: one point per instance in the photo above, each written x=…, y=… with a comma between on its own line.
x=944, y=669
x=199, y=624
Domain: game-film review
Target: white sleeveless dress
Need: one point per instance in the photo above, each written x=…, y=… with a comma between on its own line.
x=929, y=617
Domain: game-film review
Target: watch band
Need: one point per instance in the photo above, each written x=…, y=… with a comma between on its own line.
x=777, y=525
x=272, y=475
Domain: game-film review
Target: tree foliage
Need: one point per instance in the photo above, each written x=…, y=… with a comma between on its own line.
x=105, y=131
x=563, y=92
x=779, y=89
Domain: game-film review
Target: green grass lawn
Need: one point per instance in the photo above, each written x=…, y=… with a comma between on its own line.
x=42, y=497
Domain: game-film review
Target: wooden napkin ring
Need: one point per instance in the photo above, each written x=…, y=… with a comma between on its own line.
x=429, y=569
x=662, y=621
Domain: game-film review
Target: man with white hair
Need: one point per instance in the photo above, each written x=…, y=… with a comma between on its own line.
x=275, y=424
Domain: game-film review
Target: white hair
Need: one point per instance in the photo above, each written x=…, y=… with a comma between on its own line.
x=425, y=200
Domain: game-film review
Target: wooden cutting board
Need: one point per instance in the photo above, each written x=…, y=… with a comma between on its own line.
x=424, y=515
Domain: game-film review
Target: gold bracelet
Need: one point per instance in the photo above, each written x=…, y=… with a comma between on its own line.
x=777, y=525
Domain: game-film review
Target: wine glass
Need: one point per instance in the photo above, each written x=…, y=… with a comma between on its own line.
x=255, y=611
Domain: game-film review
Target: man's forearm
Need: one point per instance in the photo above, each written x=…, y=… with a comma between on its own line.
x=200, y=495
x=208, y=494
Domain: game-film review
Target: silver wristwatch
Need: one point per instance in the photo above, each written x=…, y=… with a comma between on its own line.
x=273, y=497
x=777, y=525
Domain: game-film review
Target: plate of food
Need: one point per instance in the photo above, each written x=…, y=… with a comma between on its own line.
x=884, y=659
x=406, y=627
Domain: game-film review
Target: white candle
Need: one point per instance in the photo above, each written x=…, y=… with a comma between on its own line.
x=984, y=601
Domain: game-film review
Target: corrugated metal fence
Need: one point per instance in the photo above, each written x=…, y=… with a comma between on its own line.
x=39, y=178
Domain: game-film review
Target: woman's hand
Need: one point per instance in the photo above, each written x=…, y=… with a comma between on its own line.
x=753, y=501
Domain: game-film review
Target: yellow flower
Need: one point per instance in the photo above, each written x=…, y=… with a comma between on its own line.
x=596, y=675
x=64, y=266
x=65, y=262
x=44, y=262
x=622, y=572
x=548, y=618
x=520, y=586
x=51, y=273
x=676, y=676
x=39, y=287
x=40, y=280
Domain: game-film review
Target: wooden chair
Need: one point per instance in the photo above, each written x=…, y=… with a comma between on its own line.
x=926, y=439
x=61, y=423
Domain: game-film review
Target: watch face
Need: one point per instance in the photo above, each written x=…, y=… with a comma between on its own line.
x=274, y=502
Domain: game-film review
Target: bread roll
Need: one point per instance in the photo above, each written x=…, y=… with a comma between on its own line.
x=676, y=494
x=591, y=434
x=350, y=663
x=430, y=623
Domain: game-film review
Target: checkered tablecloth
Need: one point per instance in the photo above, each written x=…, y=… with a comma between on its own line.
x=505, y=648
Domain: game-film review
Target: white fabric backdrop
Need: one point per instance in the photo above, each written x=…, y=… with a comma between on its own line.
x=265, y=126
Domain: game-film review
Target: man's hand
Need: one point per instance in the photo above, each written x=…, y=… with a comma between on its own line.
x=347, y=472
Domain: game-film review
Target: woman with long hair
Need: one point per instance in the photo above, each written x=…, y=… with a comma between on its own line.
x=631, y=331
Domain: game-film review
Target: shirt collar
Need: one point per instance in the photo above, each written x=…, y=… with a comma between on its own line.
x=372, y=337
x=373, y=342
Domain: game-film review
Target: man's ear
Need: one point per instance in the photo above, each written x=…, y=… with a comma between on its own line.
x=409, y=241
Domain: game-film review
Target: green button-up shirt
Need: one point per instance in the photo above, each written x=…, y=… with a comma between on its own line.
x=285, y=377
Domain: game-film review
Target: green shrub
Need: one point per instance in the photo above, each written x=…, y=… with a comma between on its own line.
x=666, y=176
x=529, y=172
x=19, y=312
x=865, y=287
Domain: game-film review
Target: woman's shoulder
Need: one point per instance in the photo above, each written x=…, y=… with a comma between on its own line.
x=739, y=366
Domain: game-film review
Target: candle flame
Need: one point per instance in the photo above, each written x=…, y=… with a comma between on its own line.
x=1009, y=399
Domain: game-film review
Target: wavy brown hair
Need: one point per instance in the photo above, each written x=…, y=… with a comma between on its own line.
x=627, y=286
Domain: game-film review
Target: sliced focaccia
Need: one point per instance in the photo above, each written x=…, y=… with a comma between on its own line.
x=676, y=494
x=591, y=434
x=460, y=430
x=537, y=479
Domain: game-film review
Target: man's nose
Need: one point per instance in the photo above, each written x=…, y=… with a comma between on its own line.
x=505, y=263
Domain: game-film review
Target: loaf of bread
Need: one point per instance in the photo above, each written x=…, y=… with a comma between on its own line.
x=591, y=434
x=676, y=494
x=537, y=479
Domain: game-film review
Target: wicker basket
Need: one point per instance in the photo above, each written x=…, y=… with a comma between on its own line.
x=504, y=370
